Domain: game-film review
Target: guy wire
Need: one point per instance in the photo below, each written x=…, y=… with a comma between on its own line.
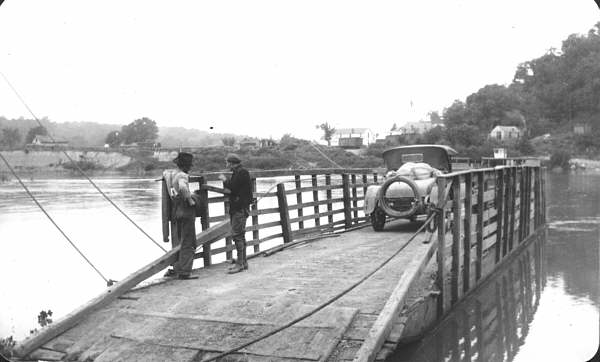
x=80, y=170
x=52, y=220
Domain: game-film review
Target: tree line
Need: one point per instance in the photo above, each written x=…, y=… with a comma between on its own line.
x=548, y=95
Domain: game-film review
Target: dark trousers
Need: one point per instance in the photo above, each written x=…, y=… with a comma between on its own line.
x=238, y=233
x=184, y=233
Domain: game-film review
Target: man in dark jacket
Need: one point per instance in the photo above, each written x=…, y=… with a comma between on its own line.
x=240, y=198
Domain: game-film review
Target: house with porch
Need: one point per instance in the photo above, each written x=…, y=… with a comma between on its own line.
x=505, y=133
x=352, y=137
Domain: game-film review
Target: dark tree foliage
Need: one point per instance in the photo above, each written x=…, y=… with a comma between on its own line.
x=228, y=141
x=141, y=130
x=11, y=137
x=564, y=85
x=465, y=135
x=433, y=136
x=35, y=131
x=328, y=131
x=560, y=158
x=113, y=139
x=549, y=94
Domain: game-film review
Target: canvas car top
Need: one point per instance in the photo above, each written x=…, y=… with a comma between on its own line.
x=438, y=156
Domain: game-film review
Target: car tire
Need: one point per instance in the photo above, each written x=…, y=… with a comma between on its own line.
x=378, y=219
x=387, y=209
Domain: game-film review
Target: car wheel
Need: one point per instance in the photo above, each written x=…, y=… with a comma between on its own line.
x=378, y=219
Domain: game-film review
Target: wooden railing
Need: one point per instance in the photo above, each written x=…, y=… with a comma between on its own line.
x=300, y=204
x=494, y=323
x=485, y=216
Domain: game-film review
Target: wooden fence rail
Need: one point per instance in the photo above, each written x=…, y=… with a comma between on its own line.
x=300, y=203
x=489, y=212
x=486, y=214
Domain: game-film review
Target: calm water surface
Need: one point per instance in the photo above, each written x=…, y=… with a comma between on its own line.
x=544, y=305
x=548, y=310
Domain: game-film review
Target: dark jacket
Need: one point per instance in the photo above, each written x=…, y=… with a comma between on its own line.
x=240, y=185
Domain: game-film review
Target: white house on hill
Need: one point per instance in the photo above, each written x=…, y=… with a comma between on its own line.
x=46, y=141
x=505, y=133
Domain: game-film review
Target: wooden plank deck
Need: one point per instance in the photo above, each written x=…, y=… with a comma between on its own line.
x=190, y=320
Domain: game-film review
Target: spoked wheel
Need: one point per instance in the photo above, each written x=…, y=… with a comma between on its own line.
x=378, y=219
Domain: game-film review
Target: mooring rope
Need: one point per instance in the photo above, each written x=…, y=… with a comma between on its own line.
x=109, y=282
x=80, y=170
x=328, y=302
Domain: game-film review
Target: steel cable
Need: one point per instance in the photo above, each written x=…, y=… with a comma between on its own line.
x=108, y=282
x=81, y=171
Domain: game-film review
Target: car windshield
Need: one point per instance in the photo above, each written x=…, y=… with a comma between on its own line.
x=436, y=157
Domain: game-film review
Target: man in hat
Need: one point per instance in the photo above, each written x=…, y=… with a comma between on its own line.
x=240, y=198
x=183, y=215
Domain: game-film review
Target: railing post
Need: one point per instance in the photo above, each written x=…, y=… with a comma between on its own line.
x=543, y=192
x=165, y=211
x=455, y=239
x=467, y=231
x=521, y=204
x=228, y=240
x=329, y=197
x=441, y=249
x=298, y=184
x=316, y=197
x=254, y=208
x=527, y=200
x=537, y=197
x=346, y=195
x=513, y=201
x=507, y=203
x=354, y=200
x=284, y=213
x=480, y=207
x=206, y=257
x=499, y=211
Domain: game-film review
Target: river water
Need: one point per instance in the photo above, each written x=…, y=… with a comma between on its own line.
x=555, y=316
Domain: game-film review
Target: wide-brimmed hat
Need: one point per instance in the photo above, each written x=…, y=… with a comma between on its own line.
x=233, y=158
x=183, y=158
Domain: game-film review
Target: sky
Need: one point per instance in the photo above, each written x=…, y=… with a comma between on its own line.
x=267, y=68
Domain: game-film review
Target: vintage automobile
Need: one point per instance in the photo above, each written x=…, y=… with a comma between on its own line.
x=410, y=186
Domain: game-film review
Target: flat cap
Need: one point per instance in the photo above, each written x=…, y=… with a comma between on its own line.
x=233, y=158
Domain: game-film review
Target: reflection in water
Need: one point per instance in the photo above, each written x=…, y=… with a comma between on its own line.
x=534, y=309
x=492, y=323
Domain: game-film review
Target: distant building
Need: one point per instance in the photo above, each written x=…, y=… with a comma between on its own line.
x=248, y=143
x=505, y=133
x=395, y=137
x=413, y=128
x=147, y=144
x=352, y=137
x=47, y=141
x=582, y=128
x=266, y=143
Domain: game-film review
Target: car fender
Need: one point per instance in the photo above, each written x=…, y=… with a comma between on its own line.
x=371, y=198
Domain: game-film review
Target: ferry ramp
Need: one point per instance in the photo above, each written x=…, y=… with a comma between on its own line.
x=194, y=320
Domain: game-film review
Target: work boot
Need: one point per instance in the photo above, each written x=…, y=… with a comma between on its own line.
x=239, y=265
x=236, y=269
